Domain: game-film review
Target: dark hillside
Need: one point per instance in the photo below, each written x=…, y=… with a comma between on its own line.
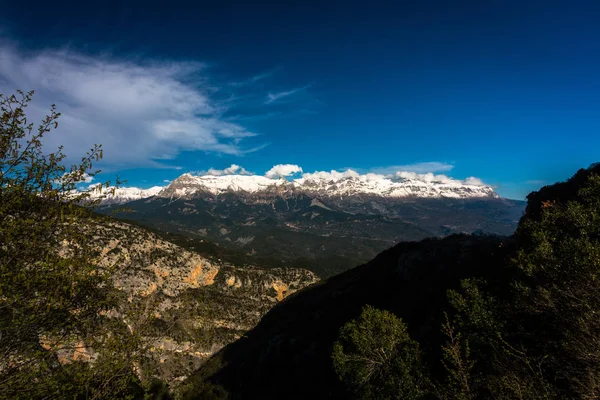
x=288, y=354
x=560, y=192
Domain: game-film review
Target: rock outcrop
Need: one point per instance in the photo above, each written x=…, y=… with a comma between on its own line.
x=192, y=305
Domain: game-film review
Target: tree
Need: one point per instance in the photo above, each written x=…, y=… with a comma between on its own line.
x=55, y=341
x=376, y=358
x=484, y=355
x=456, y=358
x=559, y=256
x=537, y=336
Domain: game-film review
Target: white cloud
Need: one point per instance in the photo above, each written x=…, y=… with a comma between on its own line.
x=332, y=175
x=281, y=170
x=424, y=171
x=85, y=178
x=166, y=181
x=234, y=169
x=429, y=177
x=471, y=180
x=140, y=112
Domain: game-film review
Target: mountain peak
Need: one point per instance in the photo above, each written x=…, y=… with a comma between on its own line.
x=187, y=184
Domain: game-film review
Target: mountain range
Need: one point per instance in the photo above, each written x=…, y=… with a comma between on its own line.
x=327, y=222
x=323, y=184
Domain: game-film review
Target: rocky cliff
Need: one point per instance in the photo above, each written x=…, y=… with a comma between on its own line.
x=192, y=305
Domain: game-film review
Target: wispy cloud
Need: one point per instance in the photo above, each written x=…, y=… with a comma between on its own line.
x=142, y=112
x=294, y=112
x=255, y=78
x=274, y=97
x=536, y=182
x=471, y=180
x=257, y=117
x=421, y=168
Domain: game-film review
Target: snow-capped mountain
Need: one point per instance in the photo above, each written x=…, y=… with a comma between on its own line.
x=321, y=184
x=123, y=194
x=401, y=185
x=188, y=185
x=333, y=184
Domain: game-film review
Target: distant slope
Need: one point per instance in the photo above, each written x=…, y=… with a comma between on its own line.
x=326, y=235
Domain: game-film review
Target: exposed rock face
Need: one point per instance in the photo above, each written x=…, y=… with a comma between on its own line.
x=198, y=304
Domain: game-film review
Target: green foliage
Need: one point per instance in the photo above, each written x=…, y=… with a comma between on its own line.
x=55, y=338
x=376, y=358
x=484, y=355
x=559, y=254
x=157, y=390
x=458, y=363
x=205, y=390
x=540, y=339
x=475, y=309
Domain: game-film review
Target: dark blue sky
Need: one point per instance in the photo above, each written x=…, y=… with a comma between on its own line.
x=507, y=91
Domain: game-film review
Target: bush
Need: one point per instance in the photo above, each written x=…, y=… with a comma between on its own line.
x=376, y=359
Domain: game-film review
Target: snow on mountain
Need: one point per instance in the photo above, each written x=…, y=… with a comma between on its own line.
x=402, y=184
x=188, y=184
x=124, y=194
x=333, y=184
x=322, y=184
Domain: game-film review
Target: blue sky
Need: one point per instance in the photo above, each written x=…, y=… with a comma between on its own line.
x=506, y=91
